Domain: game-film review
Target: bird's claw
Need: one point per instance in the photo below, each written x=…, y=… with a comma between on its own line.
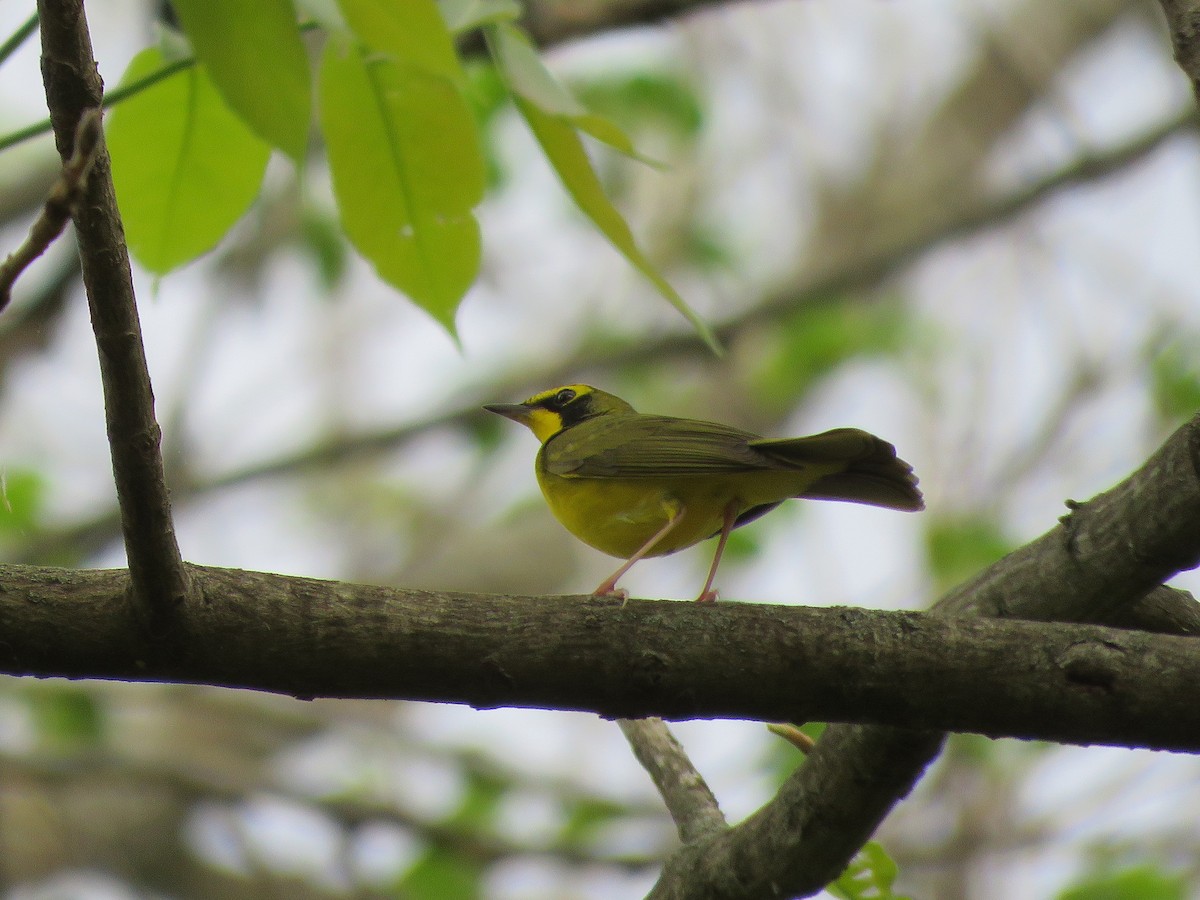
x=616, y=593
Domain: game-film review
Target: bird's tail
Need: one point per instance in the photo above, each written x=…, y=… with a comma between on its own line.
x=873, y=474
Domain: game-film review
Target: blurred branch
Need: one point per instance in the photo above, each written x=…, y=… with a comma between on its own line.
x=193, y=784
x=551, y=22
x=692, y=805
x=315, y=638
x=1183, y=22
x=158, y=579
x=14, y=41
x=60, y=205
x=27, y=326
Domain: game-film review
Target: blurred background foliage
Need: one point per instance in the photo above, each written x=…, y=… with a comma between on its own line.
x=970, y=228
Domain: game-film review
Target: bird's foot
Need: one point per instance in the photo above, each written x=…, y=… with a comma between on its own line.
x=610, y=589
x=709, y=596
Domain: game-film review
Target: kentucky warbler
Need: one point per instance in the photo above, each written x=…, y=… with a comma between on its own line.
x=636, y=485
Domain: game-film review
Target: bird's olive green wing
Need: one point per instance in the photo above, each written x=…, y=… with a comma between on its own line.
x=640, y=446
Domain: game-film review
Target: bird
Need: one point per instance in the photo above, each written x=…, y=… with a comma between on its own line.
x=634, y=485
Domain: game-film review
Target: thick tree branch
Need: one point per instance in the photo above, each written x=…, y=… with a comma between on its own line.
x=1054, y=681
x=1105, y=561
x=310, y=638
x=157, y=576
x=796, y=844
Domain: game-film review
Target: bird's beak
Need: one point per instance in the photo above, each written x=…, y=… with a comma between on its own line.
x=518, y=412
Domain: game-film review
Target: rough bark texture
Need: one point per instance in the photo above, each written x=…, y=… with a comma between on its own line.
x=1106, y=560
x=693, y=808
x=310, y=638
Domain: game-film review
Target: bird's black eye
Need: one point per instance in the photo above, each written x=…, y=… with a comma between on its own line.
x=563, y=397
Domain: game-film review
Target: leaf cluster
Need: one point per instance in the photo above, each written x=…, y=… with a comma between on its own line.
x=196, y=126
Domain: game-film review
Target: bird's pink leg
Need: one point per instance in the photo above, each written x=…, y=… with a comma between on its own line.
x=609, y=587
x=708, y=595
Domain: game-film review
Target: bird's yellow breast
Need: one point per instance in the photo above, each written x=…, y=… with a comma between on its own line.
x=619, y=515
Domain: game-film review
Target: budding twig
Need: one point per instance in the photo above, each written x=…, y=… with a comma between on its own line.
x=60, y=203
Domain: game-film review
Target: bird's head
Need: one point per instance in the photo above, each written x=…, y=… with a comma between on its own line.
x=548, y=413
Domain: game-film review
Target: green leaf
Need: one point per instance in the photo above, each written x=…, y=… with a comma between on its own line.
x=487, y=97
x=22, y=492
x=480, y=801
x=527, y=75
x=659, y=97
x=815, y=340
x=185, y=167
x=744, y=544
x=960, y=547
x=407, y=168
x=439, y=875
x=66, y=717
x=556, y=118
x=587, y=816
x=528, y=78
x=1135, y=883
x=486, y=91
x=1175, y=380
x=464, y=15
x=563, y=148
x=411, y=30
x=254, y=55
x=321, y=239
x=869, y=876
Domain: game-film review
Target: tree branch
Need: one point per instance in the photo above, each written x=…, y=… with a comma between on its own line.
x=556, y=21
x=1107, y=559
x=692, y=805
x=1046, y=681
x=61, y=203
x=309, y=638
x=157, y=577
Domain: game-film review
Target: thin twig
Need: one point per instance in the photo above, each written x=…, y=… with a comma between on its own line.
x=116, y=95
x=158, y=579
x=18, y=37
x=59, y=206
x=692, y=805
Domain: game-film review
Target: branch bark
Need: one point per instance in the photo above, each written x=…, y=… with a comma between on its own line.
x=1183, y=21
x=60, y=204
x=692, y=805
x=1105, y=560
x=157, y=577
x=310, y=638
